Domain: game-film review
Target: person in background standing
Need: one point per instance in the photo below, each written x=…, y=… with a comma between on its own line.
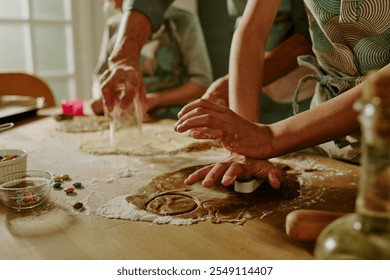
x=173, y=63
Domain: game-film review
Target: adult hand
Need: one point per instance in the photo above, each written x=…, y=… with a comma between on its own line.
x=207, y=120
x=97, y=106
x=98, y=109
x=237, y=167
x=218, y=92
x=123, y=78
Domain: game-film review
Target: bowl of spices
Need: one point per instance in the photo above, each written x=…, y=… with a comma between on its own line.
x=12, y=160
x=25, y=189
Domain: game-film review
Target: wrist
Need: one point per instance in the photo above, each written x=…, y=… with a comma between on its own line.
x=284, y=139
x=121, y=60
x=269, y=143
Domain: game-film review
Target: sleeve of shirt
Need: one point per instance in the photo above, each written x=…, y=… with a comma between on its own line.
x=193, y=46
x=153, y=9
x=301, y=24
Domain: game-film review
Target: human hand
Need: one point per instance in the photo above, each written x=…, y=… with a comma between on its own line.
x=218, y=92
x=237, y=167
x=207, y=120
x=97, y=106
x=153, y=101
x=123, y=78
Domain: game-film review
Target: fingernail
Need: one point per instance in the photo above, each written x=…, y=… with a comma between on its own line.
x=276, y=180
x=229, y=178
x=206, y=183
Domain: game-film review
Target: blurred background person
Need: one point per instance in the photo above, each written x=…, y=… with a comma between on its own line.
x=174, y=62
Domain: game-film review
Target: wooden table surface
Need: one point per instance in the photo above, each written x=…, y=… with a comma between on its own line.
x=55, y=230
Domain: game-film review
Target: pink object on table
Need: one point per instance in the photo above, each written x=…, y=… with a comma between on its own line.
x=72, y=107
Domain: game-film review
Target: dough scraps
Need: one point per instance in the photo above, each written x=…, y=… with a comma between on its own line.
x=76, y=124
x=158, y=138
x=166, y=199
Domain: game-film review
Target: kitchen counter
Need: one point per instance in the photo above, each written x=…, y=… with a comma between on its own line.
x=55, y=230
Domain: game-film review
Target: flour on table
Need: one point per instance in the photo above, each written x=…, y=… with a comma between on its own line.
x=157, y=138
x=120, y=208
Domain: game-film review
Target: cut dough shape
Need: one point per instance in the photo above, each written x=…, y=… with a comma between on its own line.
x=158, y=138
x=171, y=204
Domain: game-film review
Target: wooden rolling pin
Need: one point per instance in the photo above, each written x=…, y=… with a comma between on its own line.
x=306, y=225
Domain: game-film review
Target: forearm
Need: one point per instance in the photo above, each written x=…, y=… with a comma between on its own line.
x=243, y=70
x=177, y=96
x=246, y=58
x=283, y=59
x=134, y=30
x=329, y=121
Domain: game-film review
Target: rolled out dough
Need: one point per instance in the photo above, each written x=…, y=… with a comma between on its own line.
x=79, y=124
x=158, y=138
x=167, y=195
x=309, y=184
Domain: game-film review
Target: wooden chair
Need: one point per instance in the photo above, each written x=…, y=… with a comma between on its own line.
x=23, y=84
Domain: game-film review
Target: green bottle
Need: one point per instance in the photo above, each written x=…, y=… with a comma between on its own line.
x=366, y=233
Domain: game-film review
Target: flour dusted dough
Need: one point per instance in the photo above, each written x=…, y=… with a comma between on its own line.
x=171, y=204
x=167, y=195
x=158, y=138
x=167, y=200
x=83, y=124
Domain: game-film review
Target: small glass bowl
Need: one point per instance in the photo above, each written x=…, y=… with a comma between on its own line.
x=25, y=189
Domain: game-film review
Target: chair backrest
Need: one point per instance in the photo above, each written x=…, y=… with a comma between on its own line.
x=17, y=83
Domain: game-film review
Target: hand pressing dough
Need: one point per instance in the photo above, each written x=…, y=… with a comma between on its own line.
x=158, y=138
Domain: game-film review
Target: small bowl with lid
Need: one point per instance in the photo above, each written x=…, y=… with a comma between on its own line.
x=12, y=160
x=25, y=189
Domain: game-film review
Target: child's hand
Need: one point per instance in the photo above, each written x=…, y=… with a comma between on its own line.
x=237, y=167
x=207, y=120
x=218, y=92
